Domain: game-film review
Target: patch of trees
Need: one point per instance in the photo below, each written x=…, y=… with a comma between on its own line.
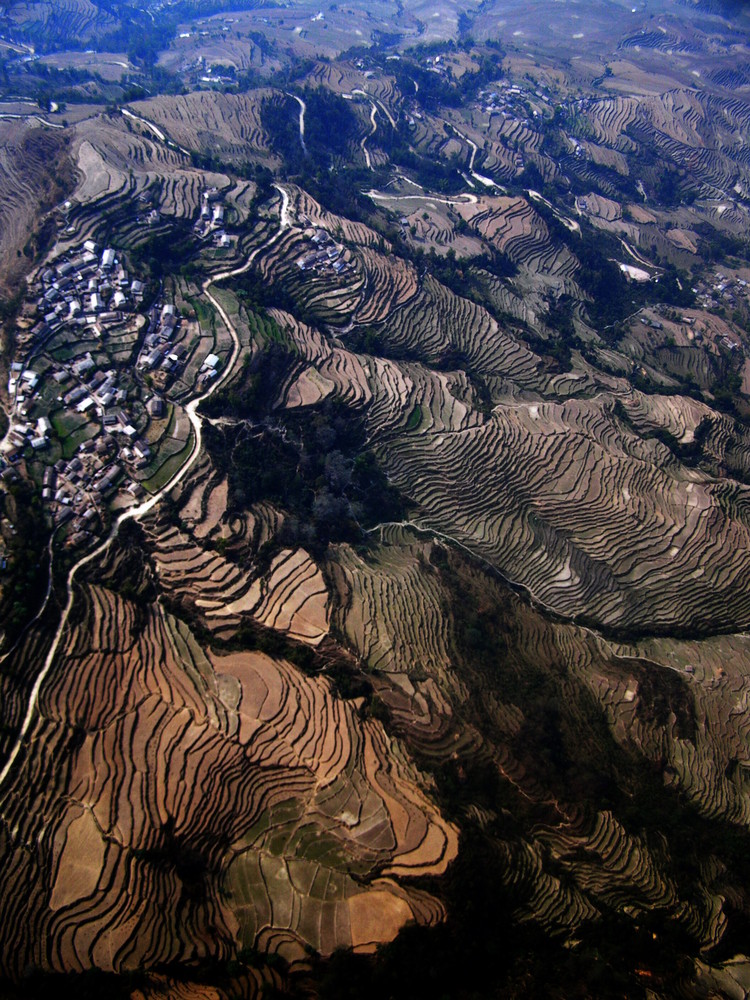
x=331, y=126
x=726, y=393
x=461, y=275
x=174, y=855
x=716, y=245
x=438, y=90
x=432, y=174
x=613, y=295
x=165, y=253
x=314, y=464
x=24, y=580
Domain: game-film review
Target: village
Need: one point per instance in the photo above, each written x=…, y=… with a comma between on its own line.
x=326, y=256
x=94, y=413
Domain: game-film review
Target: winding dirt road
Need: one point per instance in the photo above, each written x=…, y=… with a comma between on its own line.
x=302, y=110
x=370, y=134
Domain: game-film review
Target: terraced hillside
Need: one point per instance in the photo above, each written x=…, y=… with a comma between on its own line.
x=591, y=517
x=50, y=24
x=301, y=801
x=411, y=649
x=228, y=125
x=35, y=176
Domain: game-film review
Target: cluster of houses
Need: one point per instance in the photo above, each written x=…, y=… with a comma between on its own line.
x=75, y=490
x=82, y=294
x=511, y=101
x=722, y=290
x=159, y=356
x=325, y=254
x=87, y=291
x=210, y=224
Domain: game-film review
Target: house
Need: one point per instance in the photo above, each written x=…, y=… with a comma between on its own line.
x=74, y=396
x=86, y=364
x=109, y=479
x=108, y=259
x=152, y=360
x=211, y=361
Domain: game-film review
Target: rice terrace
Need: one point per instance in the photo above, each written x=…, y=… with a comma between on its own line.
x=375, y=499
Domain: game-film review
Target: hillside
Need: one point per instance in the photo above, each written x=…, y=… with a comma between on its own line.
x=375, y=503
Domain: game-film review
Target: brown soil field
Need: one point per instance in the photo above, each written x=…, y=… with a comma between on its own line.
x=36, y=174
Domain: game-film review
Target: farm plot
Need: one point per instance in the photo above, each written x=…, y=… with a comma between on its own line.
x=712, y=768
x=683, y=127
x=548, y=465
x=239, y=763
x=572, y=503
x=227, y=124
x=437, y=324
x=218, y=48
x=58, y=24
x=111, y=66
x=173, y=448
x=512, y=225
x=122, y=341
x=428, y=225
x=35, y=174
x=344, y=77
x=393, y=614
x=72, y=429
x=290, y=596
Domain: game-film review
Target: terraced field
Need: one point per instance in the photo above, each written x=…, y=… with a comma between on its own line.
x=227, y=124
x=555, y=508
x=35, y=175
x=288, y=810
x=440, y=639
x=49, y=25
